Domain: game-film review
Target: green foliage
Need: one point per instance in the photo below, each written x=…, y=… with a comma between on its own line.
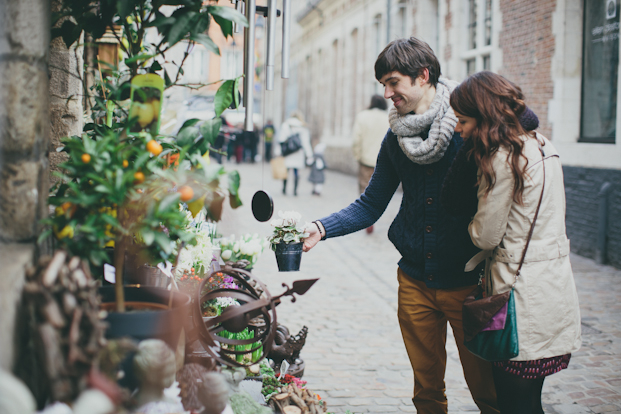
x=112, y=187
x=190, y=21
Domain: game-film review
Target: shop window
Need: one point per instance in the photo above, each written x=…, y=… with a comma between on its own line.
x=600, y=66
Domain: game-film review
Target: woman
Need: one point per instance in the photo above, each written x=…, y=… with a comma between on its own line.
x=511, y=165
x=299, y=159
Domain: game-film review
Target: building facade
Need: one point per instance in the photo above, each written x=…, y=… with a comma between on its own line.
x=563, y=53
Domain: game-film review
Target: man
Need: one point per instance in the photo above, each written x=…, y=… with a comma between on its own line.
x=417, y=152
x=369, y=127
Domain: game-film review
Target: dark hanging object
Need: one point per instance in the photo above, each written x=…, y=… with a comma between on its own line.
x=262, y=206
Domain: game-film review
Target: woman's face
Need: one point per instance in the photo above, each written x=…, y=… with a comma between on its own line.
x=465, y=125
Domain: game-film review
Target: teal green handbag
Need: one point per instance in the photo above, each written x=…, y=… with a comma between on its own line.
x=496, y=345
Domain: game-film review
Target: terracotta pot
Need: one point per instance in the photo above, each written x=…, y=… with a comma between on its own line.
x=148, y=315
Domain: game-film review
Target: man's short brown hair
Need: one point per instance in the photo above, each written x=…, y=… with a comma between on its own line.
x=408, y=57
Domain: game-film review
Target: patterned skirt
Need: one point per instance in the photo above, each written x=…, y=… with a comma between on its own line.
x=535, y=369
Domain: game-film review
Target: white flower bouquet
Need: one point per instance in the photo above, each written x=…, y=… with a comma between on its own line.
x=247, y=247
x=287, y=229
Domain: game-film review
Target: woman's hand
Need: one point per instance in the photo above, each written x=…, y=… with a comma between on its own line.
x=313, y=239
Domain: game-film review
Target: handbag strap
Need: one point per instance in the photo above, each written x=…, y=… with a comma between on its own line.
x=532, y=226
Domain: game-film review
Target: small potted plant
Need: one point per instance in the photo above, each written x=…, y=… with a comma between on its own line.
x=287, y=240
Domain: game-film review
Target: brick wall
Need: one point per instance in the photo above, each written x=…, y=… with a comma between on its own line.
x=528, y=45
x=581, y=188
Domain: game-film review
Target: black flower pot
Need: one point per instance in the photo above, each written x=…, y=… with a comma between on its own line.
x=148, y=314
x=289, y=256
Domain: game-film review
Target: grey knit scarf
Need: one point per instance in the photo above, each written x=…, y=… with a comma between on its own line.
x=440, y=116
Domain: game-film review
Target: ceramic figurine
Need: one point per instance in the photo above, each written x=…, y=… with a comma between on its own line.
x=155, y=368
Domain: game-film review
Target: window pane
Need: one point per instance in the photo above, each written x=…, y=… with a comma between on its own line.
x=487, y=62
x=488, y=22
x=472, y=24
x=470, y=66
x=599, y=70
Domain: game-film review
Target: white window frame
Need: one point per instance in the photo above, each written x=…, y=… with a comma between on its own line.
x=481, y=51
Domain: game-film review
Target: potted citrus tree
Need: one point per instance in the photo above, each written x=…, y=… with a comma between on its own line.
x=123, y=185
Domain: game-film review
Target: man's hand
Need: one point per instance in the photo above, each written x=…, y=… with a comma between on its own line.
x=313, y=239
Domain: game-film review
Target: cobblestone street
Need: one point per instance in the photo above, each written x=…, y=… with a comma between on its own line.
x=354, y=354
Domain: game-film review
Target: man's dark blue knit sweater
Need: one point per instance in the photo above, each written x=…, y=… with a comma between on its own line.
x=434, y=245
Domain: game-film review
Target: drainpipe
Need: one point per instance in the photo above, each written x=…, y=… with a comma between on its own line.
x=388, y=21
x=603, y=195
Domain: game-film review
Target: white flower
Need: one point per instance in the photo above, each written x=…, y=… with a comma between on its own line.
x=226, y=255
x=236, y=247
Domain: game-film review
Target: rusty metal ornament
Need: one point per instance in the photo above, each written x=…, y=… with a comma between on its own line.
x=256, y=312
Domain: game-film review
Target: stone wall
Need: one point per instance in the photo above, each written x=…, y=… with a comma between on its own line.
x=24, y=126
x=581, y=188
x=66, y=95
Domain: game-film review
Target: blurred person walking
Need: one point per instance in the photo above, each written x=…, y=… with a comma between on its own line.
x=520, y=224
x=435, y=246
x=370, y=126
x=268, y=136
x=317, y=175
x=294, y=134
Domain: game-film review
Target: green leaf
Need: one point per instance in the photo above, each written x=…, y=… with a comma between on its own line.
x=228, y=13
x=210, y=129
x=206, y=41
x=236, y=89
x=189, y=123
x=148, y=236
x=44, y=235
x=180, y=28
x=137, y=58
x=225, y=25
x=167, y=80
x=187, y=136
x=69, y=31
x=163, y=242
x=224, y=96
x=102, y=189
x=155, y=67
x=168, y=201
x=111, y=220
x=125, y=7
x=234, y=181
x=89, y=144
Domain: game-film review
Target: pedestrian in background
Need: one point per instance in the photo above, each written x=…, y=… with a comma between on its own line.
x=417, y=152
x=295, y=125
x=370, y=126
x=268, y=136
x=517, y=169
x=317, y=175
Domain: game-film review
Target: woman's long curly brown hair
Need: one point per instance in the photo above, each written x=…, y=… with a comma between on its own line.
x=496, y=104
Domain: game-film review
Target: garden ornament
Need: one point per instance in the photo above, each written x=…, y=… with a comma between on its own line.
x=201, y=390
x=155, y=369
x=256, y=311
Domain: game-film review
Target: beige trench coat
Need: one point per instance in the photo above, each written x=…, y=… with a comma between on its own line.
x=548, y=315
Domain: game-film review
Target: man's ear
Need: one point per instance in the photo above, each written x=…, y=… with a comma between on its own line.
x=423, y=76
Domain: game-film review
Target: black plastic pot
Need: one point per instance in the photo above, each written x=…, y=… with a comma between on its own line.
x=150, y=317
x=289, y=256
